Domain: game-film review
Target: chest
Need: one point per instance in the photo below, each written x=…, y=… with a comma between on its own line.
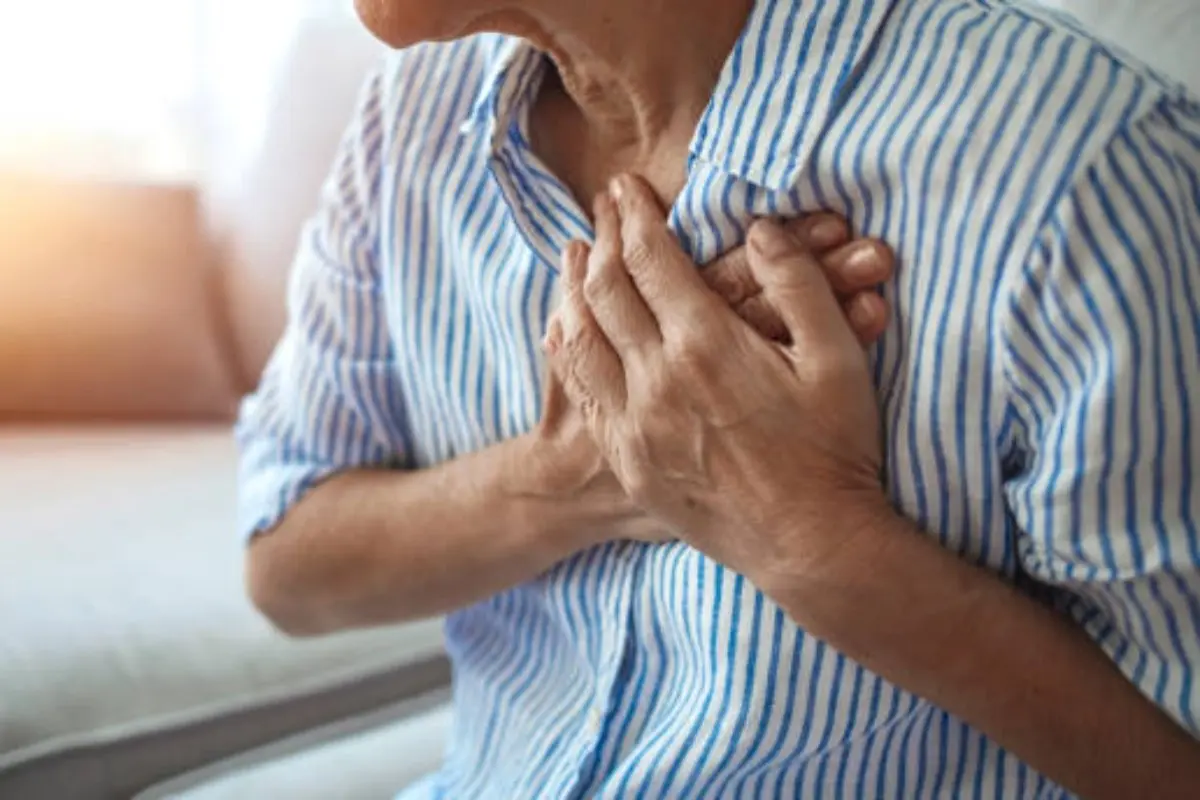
x=475, y=282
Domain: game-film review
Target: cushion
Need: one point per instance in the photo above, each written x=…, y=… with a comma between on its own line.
x=1162, y=33
x=128, y=650
x=105, y=303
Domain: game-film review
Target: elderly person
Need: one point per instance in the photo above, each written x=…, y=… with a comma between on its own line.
x=727, y=555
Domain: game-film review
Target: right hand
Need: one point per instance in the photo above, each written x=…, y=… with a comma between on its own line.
x=567, y=460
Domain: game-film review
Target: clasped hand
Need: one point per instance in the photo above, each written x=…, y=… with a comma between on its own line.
x=753, y=436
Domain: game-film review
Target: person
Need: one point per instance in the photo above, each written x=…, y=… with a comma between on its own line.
x=693, y=543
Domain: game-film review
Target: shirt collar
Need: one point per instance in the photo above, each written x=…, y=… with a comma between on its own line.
x=783, y=83
x=511, y=74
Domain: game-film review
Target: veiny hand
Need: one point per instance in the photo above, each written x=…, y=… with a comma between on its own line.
x=762, y=455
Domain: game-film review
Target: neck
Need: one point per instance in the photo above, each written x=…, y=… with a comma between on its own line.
x=638, y=71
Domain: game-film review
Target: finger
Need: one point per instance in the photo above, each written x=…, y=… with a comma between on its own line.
x=664, y=275
x=868, y=315
x=858, y=267
x=866, y=312
x=759, y=314
x=795, y=285
x=730, y=278
x=610, y=294
x=821, y=232
x=579, y=352
x=824, y=234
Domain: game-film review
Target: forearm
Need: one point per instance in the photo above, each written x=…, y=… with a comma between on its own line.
x=373, y=548
x=971, y=644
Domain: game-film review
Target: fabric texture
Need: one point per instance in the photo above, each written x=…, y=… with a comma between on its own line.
x=107, y=307
x=128, y=649
x=1037, y=382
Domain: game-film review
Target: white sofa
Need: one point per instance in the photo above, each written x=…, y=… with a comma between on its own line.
x=128, y=651
x=130, y=661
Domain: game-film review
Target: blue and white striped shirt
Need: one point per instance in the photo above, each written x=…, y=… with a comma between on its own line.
x=1040, y=383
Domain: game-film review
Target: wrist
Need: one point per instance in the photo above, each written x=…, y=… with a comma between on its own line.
x=839, y=579
x=583, y=502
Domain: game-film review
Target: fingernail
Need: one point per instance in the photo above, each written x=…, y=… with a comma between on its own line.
x=828, y=232
x=771, y=240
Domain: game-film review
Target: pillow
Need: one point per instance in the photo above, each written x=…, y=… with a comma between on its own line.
x=1162, y=33
x=105, y=304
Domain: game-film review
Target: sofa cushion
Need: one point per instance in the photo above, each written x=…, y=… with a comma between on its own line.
x=107, y=304
x=123, y=618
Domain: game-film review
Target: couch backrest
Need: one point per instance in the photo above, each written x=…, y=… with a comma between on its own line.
x=265, y=184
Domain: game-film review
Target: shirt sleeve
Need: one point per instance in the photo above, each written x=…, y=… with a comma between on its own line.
x=330, y=398
x=1103, y=368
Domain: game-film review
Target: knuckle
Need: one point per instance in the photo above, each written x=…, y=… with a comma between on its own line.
x=643, y=253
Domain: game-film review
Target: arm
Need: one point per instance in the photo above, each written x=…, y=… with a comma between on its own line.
x=374, y=547
x=968, y=642
x=1102, y=342
x=340, y=536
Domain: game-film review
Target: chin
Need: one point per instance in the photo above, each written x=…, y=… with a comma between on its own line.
x=401, y=23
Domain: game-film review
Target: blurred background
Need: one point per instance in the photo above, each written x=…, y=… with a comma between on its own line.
x=157, y=160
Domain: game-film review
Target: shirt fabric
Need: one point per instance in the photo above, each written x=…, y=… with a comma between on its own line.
x=1039, y=383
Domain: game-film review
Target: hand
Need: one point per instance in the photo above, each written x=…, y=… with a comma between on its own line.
x=764, y=456
x=854, y=269
x=567, y=464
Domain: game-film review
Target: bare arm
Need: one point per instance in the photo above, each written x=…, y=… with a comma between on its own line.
x=378, y=547
x=975, y=646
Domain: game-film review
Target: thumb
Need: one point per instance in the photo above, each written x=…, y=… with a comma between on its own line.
x=794, y=283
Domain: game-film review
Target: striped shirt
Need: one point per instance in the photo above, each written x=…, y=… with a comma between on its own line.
x=1039, y=383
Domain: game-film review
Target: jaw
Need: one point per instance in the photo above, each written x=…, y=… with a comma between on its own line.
x=403, y=23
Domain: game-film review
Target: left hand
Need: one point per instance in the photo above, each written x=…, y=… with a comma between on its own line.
x=766, y=457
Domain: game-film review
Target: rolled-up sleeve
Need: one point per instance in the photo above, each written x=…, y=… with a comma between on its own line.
x=1104, y=369
x=330, y=398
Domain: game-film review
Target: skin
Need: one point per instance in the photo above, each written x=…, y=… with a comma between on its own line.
x=767, y=457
